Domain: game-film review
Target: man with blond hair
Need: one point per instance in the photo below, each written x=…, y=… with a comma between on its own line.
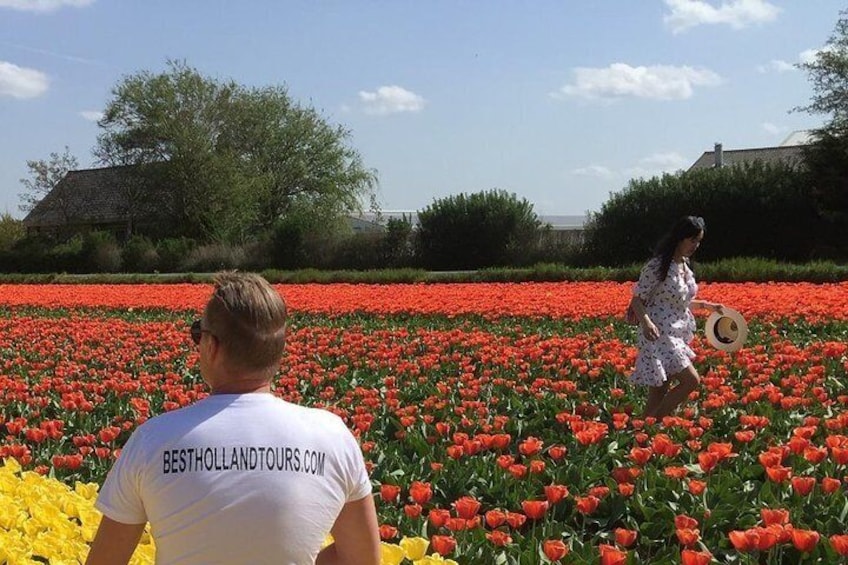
x=240, y=476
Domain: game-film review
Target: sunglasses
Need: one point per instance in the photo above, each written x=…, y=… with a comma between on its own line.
x=197, y=331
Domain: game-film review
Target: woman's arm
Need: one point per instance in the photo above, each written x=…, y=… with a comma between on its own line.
x=711, y=306
x=648, y=328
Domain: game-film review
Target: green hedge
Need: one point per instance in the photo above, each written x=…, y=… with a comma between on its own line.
x=727, y=270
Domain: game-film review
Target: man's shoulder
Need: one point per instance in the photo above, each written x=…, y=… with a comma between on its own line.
x=321, y=415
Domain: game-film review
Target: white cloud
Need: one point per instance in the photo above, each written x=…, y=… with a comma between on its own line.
x=660, y=82
x=92, y=115
x=647, y=167
x=42, y=6
x=772, y=128
x=737, y=14
x=809, y=55
x=598, y=171
x=20, y=82
x=804, y=57
x=657, y=164
x=777, y=66
x=391, y=100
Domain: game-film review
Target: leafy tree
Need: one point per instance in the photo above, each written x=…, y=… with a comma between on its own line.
x=828, y=75
x=11, y=231
x=483, y=229
x=827, y=158
x=45, y=174
x=219, y=161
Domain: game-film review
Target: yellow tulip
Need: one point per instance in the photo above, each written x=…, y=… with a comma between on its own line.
x=414, y=548
x=390, y=554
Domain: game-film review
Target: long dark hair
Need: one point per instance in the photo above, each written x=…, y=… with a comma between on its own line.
x=684, y=228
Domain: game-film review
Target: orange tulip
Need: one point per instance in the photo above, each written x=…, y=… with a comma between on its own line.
x=389, y=493
x=495, y=518
x=439, y=517
x=443, y=545
x=692, y=557
x=555, y=493
x=499, y=538
x=467, y=507
x=839, y=543
x=625, y=537
x=554, y=549
x=682, y=521
x=805, y=540
x=830, y=485
x=612, y=556
x=771, y=516
x=387, y=531
x=741, y=541
x=803, y=485
x=687, y=537
x=535, y=509
x=420, y=492
x=587, y=504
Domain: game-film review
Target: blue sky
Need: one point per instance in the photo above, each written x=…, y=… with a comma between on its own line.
x=560, y=102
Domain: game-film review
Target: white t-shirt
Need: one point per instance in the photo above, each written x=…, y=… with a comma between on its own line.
x=235, y=478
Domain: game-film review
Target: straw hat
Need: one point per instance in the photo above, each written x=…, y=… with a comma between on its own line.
x=726, y=331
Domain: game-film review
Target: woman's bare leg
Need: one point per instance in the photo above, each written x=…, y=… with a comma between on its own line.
x=655, y=397
x=687, y=381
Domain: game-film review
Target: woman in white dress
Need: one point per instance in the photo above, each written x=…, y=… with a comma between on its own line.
x=663, y=301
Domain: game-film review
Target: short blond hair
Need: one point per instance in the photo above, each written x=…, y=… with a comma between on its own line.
x=248, y=318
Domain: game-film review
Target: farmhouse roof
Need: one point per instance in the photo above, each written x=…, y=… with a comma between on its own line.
x=85, y=196
x=791, y=154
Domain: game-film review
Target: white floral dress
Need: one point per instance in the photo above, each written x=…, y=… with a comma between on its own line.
x=668, y=308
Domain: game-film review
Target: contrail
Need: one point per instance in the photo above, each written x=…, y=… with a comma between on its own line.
x=71, y=58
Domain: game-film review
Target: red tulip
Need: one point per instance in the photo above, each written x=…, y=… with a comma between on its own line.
x=691, y=557
x=805, y=540
x=625, y=537
x=535, y=509
x=777, y=516
x=839, y=543
x=420, y=492
x=387, y=531
x=554, y=549
x=389, y=493
x=803, y=485
x=555, y=493
x=443, y=545
x=612, y=556
x=495, y=518
x=587, y=504
x=467, y=507
x=687, y=537
x=499, y=538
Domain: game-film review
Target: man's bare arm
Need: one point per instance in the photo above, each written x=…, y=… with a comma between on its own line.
x=356, y=536
x=114, y=543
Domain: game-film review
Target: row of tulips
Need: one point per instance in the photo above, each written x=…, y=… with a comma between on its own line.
x=558, y=300
x=510, y=440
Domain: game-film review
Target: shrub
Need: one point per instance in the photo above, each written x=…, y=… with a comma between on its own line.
x=483, y=229
x=358, y=251
x=396, y=245
x=214, y=257
x=140, y=255
x=750, y=210
x=100, y=253
x=173, y=252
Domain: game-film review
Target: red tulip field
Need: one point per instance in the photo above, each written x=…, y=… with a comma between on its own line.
x=496, y=420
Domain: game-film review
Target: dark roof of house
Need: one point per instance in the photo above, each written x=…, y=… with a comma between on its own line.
x=784, y=154
x=88, y=196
